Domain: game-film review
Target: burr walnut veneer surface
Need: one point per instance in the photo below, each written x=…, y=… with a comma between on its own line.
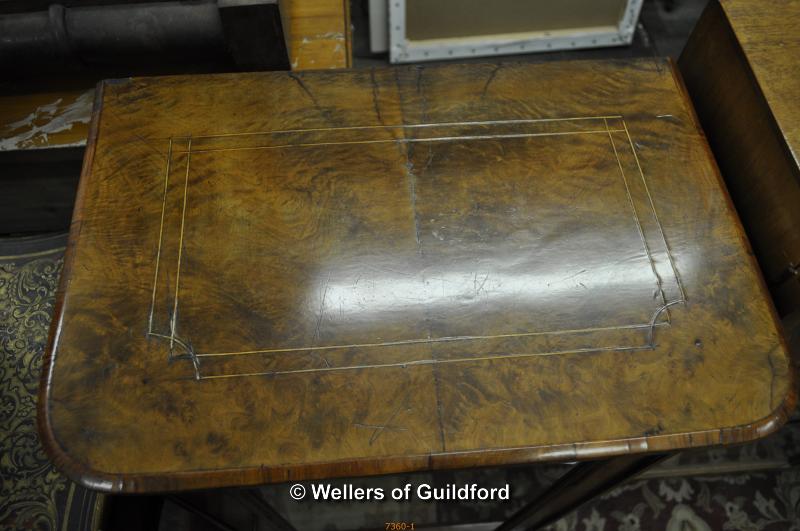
x=285, y=276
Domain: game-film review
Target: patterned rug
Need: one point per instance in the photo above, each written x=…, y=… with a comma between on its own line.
x=33, y=495
x=759, y=501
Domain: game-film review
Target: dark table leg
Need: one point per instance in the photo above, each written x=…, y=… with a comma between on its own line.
x=249, y=499
x=582, y=483
x=184, y=503
x=259, y=505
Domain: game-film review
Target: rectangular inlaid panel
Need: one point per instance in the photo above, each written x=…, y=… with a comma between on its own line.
x=448, y=264
x=282, y=276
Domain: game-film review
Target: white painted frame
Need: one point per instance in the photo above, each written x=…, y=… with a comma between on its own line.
x=402, y=50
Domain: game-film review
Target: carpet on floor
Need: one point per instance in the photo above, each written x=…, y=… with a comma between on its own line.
x=33, y=494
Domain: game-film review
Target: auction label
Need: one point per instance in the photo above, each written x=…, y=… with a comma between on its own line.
x=423, y=491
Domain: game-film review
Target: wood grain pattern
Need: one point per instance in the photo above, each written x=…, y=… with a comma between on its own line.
x=282, y=276
x=741, y=66
x=317, y=33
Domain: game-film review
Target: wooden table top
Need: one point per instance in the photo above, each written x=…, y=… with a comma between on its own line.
x=288, y=276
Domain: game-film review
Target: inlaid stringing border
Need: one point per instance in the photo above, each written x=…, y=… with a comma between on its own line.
x=605, y=130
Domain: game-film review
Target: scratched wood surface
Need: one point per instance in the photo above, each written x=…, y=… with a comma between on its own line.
x=282, y=276
x=742, y=67
x=317, y=33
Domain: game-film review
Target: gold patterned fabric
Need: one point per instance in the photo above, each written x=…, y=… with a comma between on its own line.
x=33, y=494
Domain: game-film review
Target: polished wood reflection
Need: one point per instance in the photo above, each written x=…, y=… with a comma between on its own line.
x=284, y=276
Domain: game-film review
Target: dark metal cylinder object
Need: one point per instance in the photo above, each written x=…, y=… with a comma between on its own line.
x=145, y=28
x=105, y=34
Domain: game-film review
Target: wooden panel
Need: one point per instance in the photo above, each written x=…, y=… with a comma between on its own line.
x=317, y=33
x=741, y=68
x=45, y=120
x=402, y=269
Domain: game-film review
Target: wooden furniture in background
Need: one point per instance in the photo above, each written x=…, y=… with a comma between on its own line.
x=42, y=139
x=45, y=120
x=281, y=276
x=317, y=33
x=741, y=69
